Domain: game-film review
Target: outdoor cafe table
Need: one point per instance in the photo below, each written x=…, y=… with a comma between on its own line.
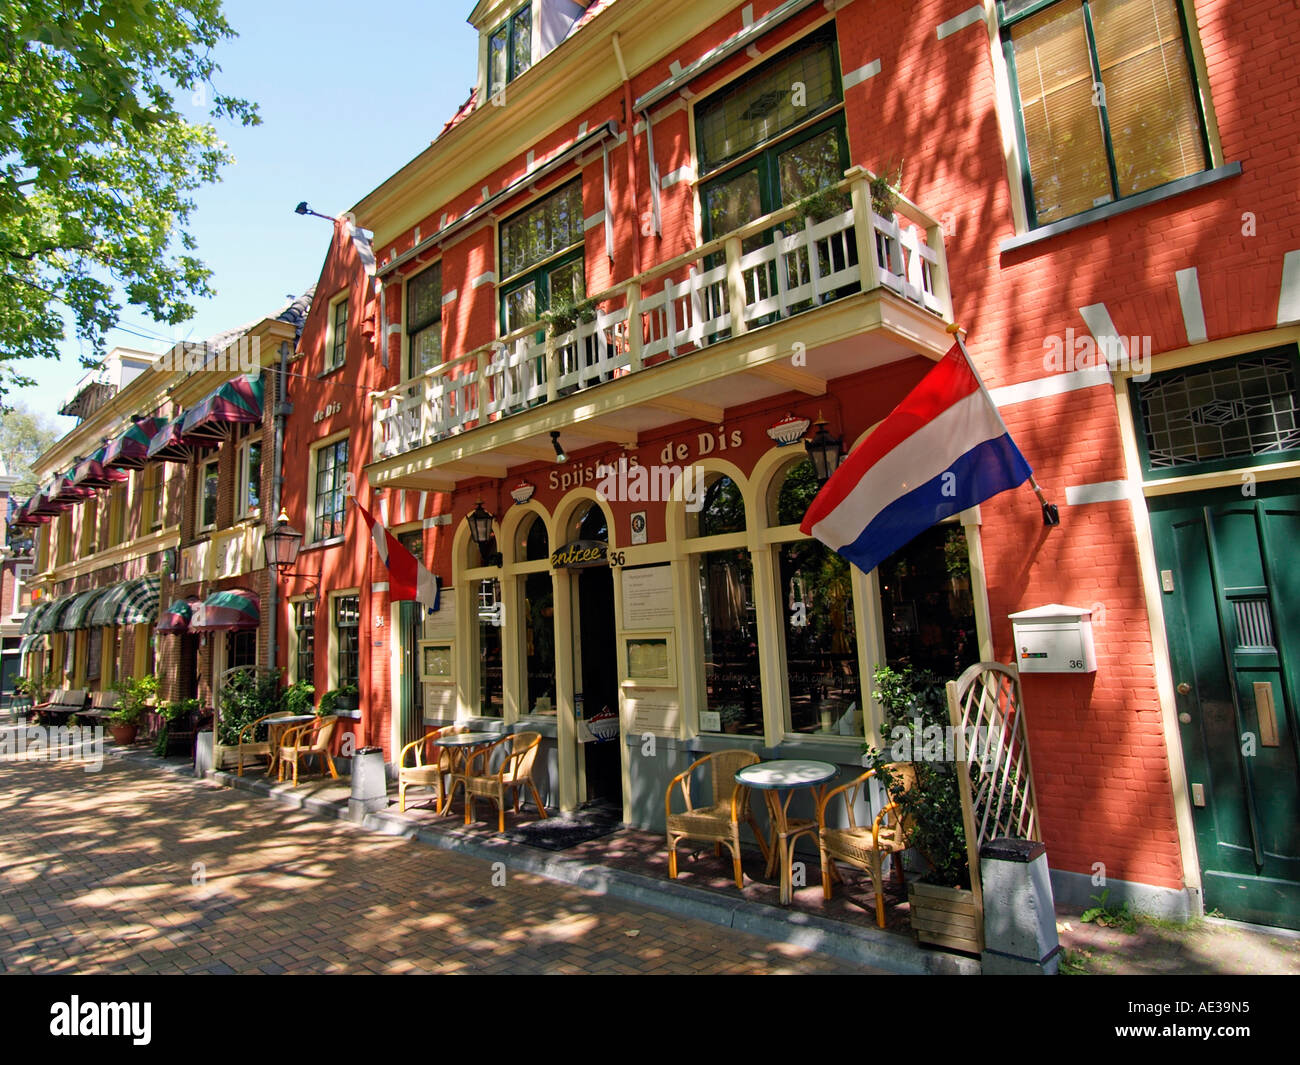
x=276, y=727
x=461, y=746
x=786, y=775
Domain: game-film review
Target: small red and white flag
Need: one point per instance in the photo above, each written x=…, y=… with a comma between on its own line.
x=407, y=576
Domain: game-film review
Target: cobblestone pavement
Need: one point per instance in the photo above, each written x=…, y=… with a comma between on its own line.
x=133, y=870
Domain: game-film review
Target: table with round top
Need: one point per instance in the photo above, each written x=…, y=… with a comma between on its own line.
x=463, y=744
x=772, y=779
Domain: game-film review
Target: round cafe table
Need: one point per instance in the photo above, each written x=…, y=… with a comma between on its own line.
x=461, y=746
x=778, y=780
x=276, y=727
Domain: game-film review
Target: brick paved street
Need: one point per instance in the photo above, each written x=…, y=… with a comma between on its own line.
x=134, y=870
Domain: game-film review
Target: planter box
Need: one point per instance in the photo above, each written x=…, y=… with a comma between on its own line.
x=944, y=916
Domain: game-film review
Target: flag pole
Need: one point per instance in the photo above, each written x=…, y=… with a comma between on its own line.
x=1051, y=515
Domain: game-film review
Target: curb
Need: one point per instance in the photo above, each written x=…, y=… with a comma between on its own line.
x=852, y=943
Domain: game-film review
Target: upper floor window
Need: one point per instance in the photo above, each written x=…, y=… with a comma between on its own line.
x=1106, y=100
x=336, y=344
x=510, y=49
x=331, y=490
x=424, y=321
x=151, y=511
x=117, y=515
x=206, y=505
x=248, y=496
x=542, y=257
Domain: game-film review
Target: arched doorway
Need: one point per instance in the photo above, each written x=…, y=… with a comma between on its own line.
x=595, y=662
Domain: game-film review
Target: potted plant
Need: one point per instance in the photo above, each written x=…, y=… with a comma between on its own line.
x=943, y=909
x=170, y=712
x=246, y=695
x=135, y=695
x=336, y=699
x=732, y=716
x=299, y=698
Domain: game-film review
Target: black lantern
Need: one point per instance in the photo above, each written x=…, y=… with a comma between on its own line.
x=825, y=450
x=281, y=544
x=480, y=531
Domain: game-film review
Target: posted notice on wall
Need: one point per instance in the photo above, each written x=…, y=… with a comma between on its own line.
x=648, y=597
x=441, y=625
x=652, y=710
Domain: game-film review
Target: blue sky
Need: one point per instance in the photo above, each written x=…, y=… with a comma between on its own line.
x=348, y=93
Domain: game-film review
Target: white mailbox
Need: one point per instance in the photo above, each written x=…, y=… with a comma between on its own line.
x=1054, y=639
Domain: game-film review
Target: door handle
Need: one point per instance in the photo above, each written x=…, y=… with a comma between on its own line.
x=1267, y=714
x=1184, y=688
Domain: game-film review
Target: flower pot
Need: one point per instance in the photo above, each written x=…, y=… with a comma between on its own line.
x=347, y=702
x=944, y=916
x=123, y=735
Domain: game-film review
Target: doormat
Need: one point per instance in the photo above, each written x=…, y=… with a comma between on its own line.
x=590, y=821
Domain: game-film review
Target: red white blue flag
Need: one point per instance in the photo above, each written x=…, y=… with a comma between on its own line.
x=407, y=576
x=943, y=448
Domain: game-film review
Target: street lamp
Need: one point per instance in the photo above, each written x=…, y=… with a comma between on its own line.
x=281, y=545
x=825, y=450
x=480, y=531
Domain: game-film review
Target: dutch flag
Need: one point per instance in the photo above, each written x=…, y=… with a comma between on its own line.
x=407, y=576
x=943, y=448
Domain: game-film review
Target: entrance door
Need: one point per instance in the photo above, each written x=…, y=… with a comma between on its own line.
x=410, y=693
x=599, y=673
x=1233, y=618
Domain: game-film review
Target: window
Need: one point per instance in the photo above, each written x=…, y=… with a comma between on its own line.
x=205, y=509
x=1106, y=100
x=304, y=625
x=249, y=492
x=336, y=343
x=151, y=515
x=63, y=549
x=94, y=653
x=347, y=635
x=331, y=490
x=117, y=515
x=241, y=649
x=22, y=589
x=413, y=541
x=89, y=517
x=510, y=49
x=926, y=604
x=490, y=618
x=424, y=321
x=542, y=258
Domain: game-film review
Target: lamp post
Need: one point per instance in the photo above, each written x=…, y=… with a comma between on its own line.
x=826, y=451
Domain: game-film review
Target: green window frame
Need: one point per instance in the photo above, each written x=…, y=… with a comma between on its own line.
x=304, y=623
x=1145, y=135
x=331, y=495
x=424, y=321
x=347, y=630
x=510, y=49
x=543, y=258
x=337, y=352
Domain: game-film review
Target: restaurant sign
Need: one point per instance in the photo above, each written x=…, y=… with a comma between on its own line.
x=580, y=554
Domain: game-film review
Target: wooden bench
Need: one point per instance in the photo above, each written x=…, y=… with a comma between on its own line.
x=61, y=705
x=102, y=704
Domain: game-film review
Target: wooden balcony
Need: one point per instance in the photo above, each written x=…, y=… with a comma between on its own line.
x=817, y=300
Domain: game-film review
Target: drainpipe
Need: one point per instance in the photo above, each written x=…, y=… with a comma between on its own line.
x=629, y=115
x=282, y=409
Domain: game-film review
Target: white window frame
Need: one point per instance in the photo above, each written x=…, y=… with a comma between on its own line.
x=199, y=495
x=330, y=338
x=22, y=571
x=242, y=508
x=309, y=535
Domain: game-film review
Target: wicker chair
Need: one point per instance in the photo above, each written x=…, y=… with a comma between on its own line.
x=865, y=847
x=314, y=738
x=250, y=748
x=514, y=773
x=718, y=823
x=426, y=774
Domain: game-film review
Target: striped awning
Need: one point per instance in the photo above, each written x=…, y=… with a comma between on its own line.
x=76, y=615
x=23, y=516
x=168, y=445
x=177, y=617
x=129, y=451
x=92, y=473
x=51, y=620
x=34, y=616
x=236, y=610
x=212, y=419
x=28, y=645
x=129, y=603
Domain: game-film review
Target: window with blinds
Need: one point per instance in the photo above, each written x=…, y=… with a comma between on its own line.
x=1107, y=100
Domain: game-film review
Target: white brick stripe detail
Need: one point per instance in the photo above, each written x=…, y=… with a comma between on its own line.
x=598, y=219
x=1189, y=295
x=1101, y=492
x=1097, y=319
x=379, y=586
x=747, y=15
x=1054, y=385
x=483, y=279
x=1288, y=305
x=959, y=22
x=449, y=297
x=685, y=173
x=857, y=77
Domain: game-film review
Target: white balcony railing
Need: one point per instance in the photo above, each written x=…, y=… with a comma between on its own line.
x=679, y=307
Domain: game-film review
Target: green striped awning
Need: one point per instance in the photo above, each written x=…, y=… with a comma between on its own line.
x=140, y=604
x=26, y=646
x=34, y=615
x=77, y=613
x=236, y=610
x=107, y=607
x=50, y=620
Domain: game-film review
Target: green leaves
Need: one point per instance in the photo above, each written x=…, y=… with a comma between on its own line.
x=98, y=162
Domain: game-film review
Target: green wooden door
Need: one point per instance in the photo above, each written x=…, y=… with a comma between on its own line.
x=1232, y=609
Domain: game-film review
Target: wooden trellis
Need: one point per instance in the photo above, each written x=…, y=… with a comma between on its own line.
x=993, y=770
